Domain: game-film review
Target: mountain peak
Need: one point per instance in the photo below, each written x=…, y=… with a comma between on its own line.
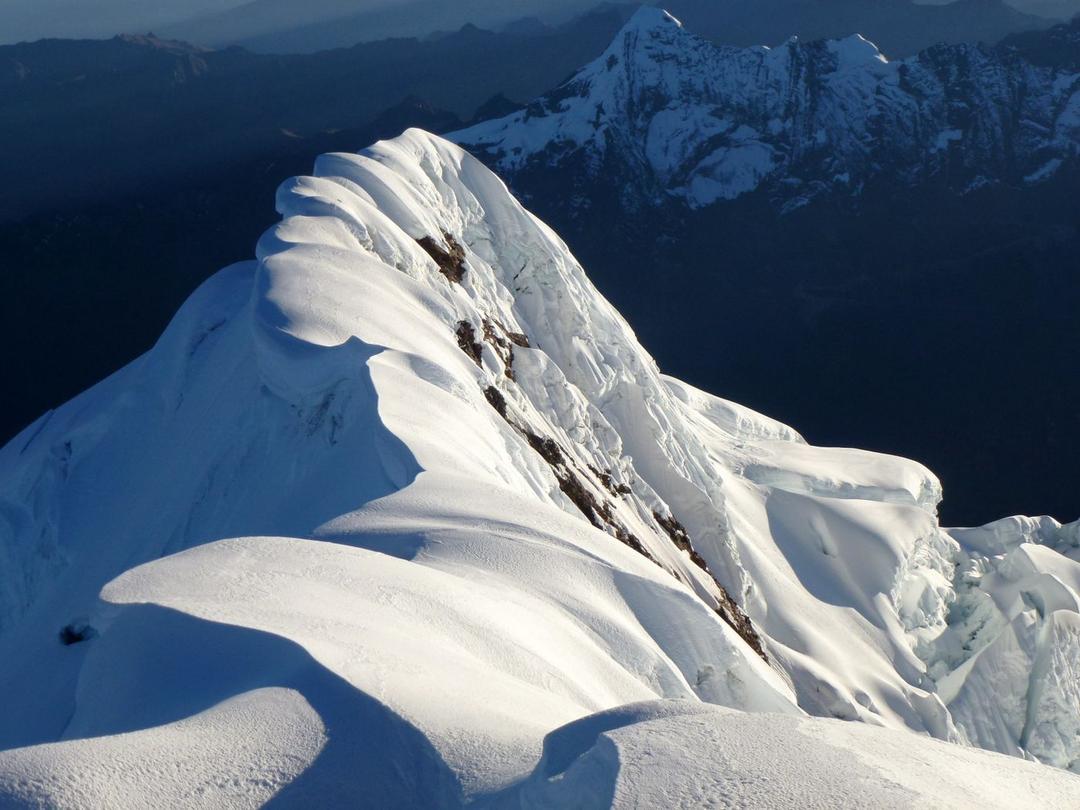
x=688, y=119
x=649, y=18
x=648, y=25
x=855, y=51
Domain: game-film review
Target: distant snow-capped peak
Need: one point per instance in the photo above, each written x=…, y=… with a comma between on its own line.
x=670, y=114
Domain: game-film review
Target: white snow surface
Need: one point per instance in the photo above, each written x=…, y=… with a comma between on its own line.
x=312, y=553
x=672, y=114
x=675, y=754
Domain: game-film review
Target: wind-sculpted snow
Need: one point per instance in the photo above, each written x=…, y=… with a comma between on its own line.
x=768, y=761
x=666, y=113
x=385, y=508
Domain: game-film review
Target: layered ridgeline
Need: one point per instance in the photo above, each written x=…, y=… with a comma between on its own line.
x=664, y=113
x=401, y=514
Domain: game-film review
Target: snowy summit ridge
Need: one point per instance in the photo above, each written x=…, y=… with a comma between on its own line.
x=402, y=514
x=670, y=114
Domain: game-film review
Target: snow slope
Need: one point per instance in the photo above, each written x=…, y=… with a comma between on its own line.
x=668, y=114
x=386, y=507
x=768, y=761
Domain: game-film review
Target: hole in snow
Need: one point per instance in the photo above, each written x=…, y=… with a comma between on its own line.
x=75, y=632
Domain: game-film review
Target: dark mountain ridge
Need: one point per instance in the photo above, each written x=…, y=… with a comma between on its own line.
x=129, y=111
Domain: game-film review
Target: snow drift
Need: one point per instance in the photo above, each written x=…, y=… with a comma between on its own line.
x=387, y=507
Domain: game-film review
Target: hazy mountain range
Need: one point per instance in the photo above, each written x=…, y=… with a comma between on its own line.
x=898, y=26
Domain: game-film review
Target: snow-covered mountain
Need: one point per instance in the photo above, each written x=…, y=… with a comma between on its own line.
x=664, y=113
x=401, y=514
